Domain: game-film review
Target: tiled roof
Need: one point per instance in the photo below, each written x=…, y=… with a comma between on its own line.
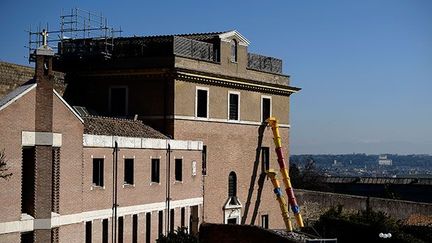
x=110, y=126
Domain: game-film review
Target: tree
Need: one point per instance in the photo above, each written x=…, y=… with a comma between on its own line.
x=3, y=166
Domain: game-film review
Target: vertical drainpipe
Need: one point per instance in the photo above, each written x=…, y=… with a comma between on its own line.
x=168, y=187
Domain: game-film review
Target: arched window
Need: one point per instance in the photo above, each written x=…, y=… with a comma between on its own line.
x=232, y=184
x=233, y=50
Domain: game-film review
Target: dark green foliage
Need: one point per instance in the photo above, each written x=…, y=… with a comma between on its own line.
x=309, y=178
x=365, y=226
x=3, y=166
x=178, y=236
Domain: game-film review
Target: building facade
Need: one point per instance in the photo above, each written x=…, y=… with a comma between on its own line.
x=63, y=185
x=188, y=114
x=204, y=87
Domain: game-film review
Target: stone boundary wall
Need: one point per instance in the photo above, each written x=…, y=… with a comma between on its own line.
x=314, y=203
x=13, y=75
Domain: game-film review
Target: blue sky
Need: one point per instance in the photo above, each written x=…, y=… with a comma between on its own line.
x=365, y=66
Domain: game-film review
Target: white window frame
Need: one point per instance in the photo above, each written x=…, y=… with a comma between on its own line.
x=238, y=107
x=261, y=106
x=196, y=102
x=127, y=97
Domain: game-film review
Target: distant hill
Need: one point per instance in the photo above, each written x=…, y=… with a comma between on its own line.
x=417, y=160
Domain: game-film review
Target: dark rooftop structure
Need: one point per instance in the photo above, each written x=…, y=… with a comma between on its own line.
x=199, y=46
x=98, y=125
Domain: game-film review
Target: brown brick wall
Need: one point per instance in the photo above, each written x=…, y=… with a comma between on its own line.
x=232, y=147
x=71, y=128
x=15, y=118
x=96, y=198
x=250, y=102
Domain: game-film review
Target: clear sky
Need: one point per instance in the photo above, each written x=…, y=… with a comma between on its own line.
x=365, y=66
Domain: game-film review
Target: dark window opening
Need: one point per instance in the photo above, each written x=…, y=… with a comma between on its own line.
x=266, y=107
x=120, y=229
x=233, y=106
x=182, y=217
x=88, y=232
x=178, y=169
x=233, y=50
x=28, y=181
x=148, y=227
x=160, y=223
x=202, y=103
x=155, y=163
x=265, y=221
x=204, y=160
x=105, y=231
x=118, y=101
x=265, y=158
x=129, y=171
x=27, y=237
x=172, y=214
x=134, y=228
x=232, y=189
x=232, y=221
x=98, y=172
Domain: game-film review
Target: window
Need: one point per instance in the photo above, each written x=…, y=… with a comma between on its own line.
x=120, y=229
x=233, y=51
x=98, y=172
x=88, y=232
x=265, y=221
x=232, y=184
x=201, y=108
x=182, y=217
x=160, y=223
x=134, y=228
x=265, y=108
x=204, y=160
x=265, y=158
x=234, y=105
x=105, y=231
x=129, y=171
x=178, y=169
x=232, y=221
x=155, y=170
x=148, y=227
x=28, y=181
x=172, y=214
x=118, y=101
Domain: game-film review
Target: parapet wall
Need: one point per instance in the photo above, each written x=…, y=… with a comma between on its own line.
x=315, y=203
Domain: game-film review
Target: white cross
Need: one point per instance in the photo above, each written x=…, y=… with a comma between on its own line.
x=44, y=34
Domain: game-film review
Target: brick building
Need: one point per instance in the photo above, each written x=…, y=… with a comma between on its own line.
x=61, y=188
x=203, y=88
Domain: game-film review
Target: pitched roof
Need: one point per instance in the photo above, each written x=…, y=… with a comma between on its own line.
x=15, y=95
x=109, y=126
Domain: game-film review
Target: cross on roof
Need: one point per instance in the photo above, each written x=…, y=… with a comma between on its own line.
x=44, y=34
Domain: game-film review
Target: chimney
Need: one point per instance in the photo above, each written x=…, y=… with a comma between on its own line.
x=43, y=153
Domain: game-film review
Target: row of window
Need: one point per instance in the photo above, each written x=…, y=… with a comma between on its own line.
x=98, y=171
x=202, y=105
x=120, y=227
